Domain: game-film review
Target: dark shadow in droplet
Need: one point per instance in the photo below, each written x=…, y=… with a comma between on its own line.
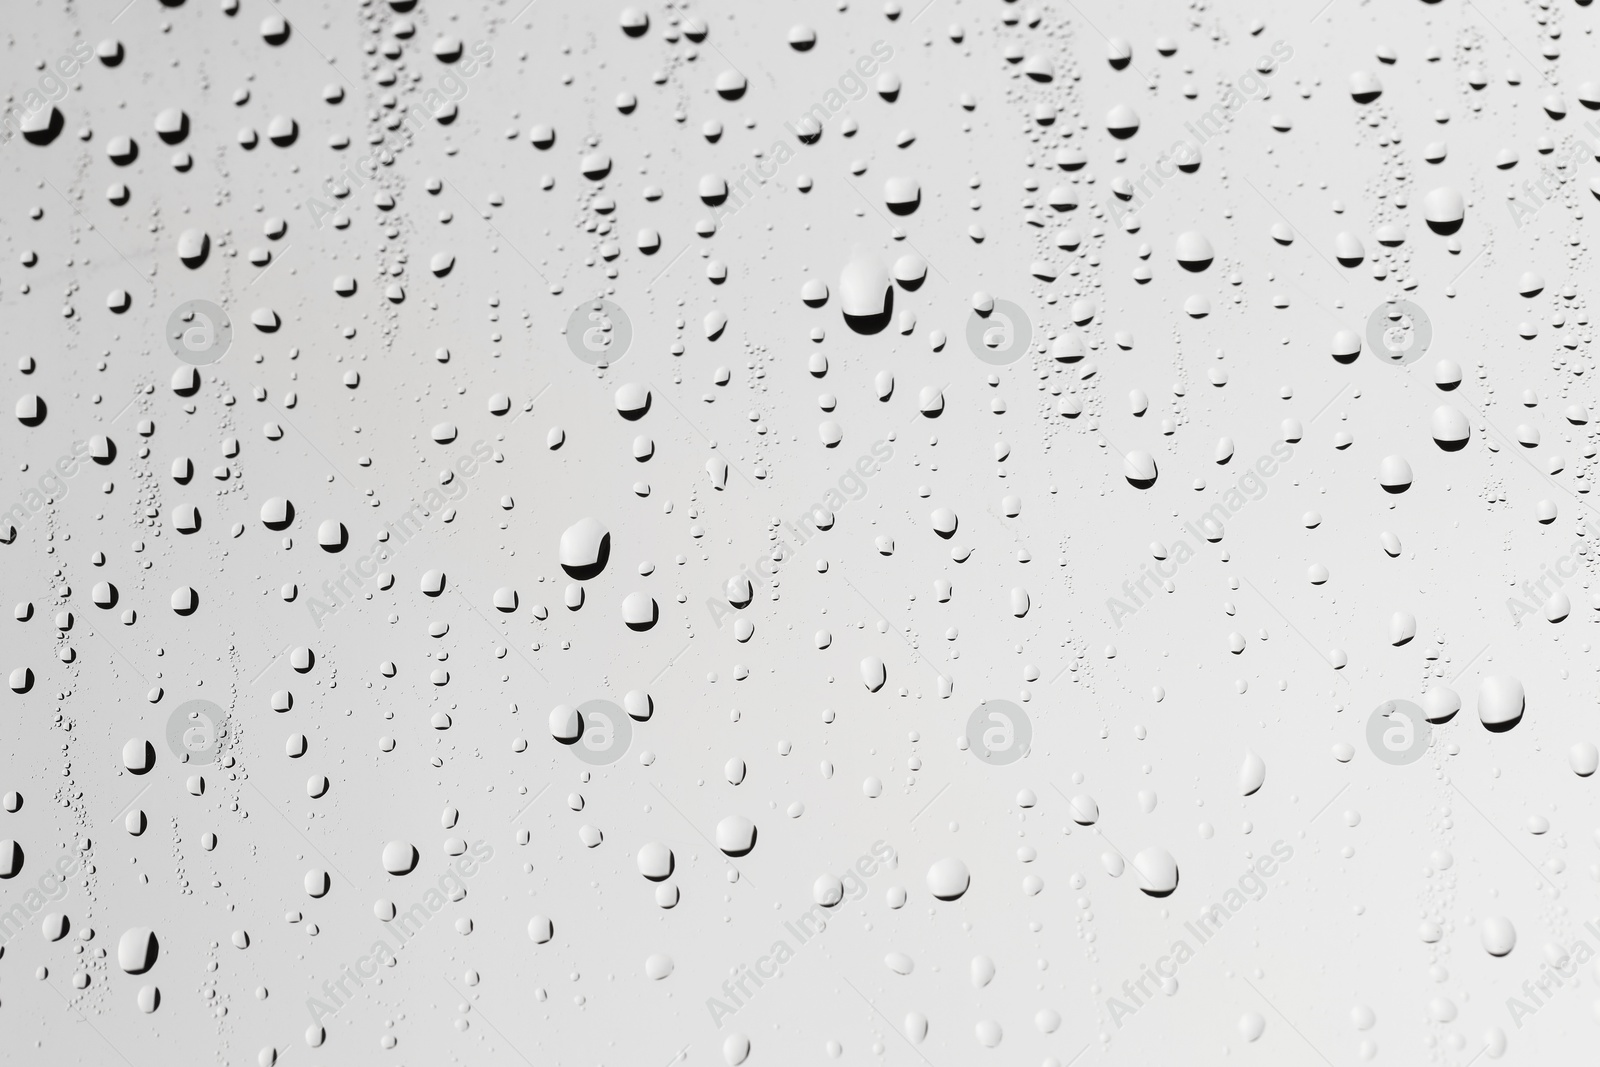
x=1502, y=727
x=111, y=453
x=38, y=416
x=581, y=727
x=743, y=851
x=52, y=129
x=672, y=865
x=1446, y=228
x=1367, y=97
x=1396, y=490
x=907, y=207
x=131, y=157
x=639, y=413
x=1347, y=358
x=1194, y=266
x=1451, y=446
x=111, y=597
x=1158, y=893
x=198, y=259
x=27, y=681
x=284, y=140
x=1141, y=483
x=1350, y=261
x=311, y=661
x=871, y=324
x=655, y=616
x=115, y=58
x=344, y=539
x=288, y=518
x=584, y=574
x=148, y=759
x=176, y=136
x=194, y=604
